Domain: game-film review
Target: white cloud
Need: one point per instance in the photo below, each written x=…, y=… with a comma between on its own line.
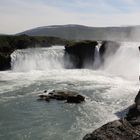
x=31, y=15
x=19, y=15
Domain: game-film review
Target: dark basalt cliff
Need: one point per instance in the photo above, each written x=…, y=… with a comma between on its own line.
x=80, y=53
x=127, y=128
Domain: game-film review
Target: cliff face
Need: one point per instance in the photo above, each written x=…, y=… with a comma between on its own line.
x=8, y=44
x=80, y=53
x=5, y=61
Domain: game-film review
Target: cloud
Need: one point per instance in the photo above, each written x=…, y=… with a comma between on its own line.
x=19, y=15
x=28, y=15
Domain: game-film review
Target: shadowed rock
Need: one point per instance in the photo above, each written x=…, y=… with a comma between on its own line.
x=69, y=96
x=80, y=53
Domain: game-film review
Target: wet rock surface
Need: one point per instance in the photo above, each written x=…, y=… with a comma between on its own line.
x=80, y=53
x=68, y=96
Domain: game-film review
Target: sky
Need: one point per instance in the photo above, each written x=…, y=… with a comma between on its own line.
x=20, y=15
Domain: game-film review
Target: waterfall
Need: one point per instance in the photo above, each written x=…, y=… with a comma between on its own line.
x=97, y=57
x=125, y=62
x=37, y=59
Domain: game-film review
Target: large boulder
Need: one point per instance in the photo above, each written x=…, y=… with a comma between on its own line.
x=68, y=96
x=80, y=53
x=127, y=128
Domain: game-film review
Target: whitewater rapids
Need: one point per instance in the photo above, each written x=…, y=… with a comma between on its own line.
x=108, y=91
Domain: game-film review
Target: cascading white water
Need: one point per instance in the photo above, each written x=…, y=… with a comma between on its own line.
x=38, y=59
x=97, y=57
x=125, y=62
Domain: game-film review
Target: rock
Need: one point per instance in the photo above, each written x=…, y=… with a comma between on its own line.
x=137, y=99
x=69, y=96
x=80, y=53
x=75, y=99
x=5, y=61
x=134, y=111
x=127, y=128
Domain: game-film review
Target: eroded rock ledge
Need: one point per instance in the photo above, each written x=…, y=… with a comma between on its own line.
x=68, y=96
x=127, y=128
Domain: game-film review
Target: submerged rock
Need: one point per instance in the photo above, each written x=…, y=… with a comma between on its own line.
x=116, y=130
x=137, y=99
x=69, y=96
x=127, y=128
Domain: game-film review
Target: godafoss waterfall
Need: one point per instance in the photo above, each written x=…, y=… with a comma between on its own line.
x=109, y=86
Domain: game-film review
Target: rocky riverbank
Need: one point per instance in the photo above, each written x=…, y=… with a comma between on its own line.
x=127, y=128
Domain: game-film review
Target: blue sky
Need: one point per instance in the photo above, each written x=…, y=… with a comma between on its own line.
x=19, y=15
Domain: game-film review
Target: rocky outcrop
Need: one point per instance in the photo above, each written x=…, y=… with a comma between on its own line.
x=80, y=53
x=68, y=96
x=127, y=128
x=5, y=61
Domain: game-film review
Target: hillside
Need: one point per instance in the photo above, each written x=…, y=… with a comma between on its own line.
x=79, y=32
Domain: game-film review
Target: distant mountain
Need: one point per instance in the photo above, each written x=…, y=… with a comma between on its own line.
x=80, y=32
